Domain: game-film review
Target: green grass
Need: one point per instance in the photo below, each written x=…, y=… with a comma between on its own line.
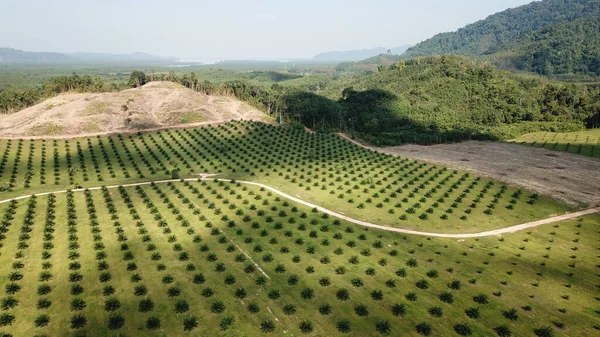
x=586, y=143
x=547, y=274
x=321, y=168
x=195, y=250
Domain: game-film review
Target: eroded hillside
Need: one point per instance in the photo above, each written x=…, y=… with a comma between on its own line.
x=155, y=105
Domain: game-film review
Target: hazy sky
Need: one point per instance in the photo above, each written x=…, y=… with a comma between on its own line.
x=232, y=28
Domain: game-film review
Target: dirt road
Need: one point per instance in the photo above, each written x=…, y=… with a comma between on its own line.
x=495, y=232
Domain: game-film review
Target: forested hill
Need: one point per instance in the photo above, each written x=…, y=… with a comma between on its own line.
x=529, y=31
x=452, y=98
x=567, y=48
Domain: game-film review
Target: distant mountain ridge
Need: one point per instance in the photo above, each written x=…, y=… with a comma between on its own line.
x=358, y=54
x=16, y=56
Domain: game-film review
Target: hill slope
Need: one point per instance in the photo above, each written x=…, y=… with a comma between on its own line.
x=155, y=105
x=452, y=98
x=535, y=37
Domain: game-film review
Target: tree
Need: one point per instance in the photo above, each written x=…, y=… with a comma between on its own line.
x=137, y=79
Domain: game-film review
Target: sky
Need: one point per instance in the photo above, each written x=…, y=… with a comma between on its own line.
x=232, y=29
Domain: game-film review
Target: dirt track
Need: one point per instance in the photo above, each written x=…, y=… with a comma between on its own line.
x=570, y=178
x=210, y=177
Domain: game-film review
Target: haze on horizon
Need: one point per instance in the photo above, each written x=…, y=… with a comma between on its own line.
x=237, y=29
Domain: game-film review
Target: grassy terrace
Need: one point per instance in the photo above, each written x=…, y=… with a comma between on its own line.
x=322, y=169
x=586, y=143
x=184, y=259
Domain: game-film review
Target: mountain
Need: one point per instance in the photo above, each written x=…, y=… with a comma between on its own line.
x=137, y=56
x=494, y=32
x=10, y=55
x=358, y=55
x=15, y=56
x=571, y=47
x=552, y=37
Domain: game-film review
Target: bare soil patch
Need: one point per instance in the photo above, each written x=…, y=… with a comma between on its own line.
x=156, y=105
x=566, y=177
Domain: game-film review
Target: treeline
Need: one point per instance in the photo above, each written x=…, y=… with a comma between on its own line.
x=12, y=100
x=424, y=100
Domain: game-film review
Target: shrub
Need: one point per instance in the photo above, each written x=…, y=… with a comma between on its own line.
x=422, y=284
x=447, y=297
x=463, y=329
x=455, y=285
x=544, y=331
x=190, y=323
x=307, y=293
x=344, y=326
x=399, y=310
x=267, y=326
x=383, y=327
x=116, y=321
x=181, y=306
x=503, y=331
x=240, y=293
x=473, y=313
x=377, y=295
x=77, y=304
x=226, y=322
x=140, y=290
x=43, y=303
x=306, y=326
x=78, y=321
x=111, y=304
x=152, y=323
x=435, y=311
x=325, y=309
x=217, y=307
x=41, y=321
x=361, y=310
x=510, y=314
x=481, y=299
x=8, y=303
x=253, y=308
x=342, y=295
x=289, y=309
x=423, y=329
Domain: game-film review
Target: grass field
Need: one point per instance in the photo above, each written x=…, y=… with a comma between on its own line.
x=320, y=168
x=184, y=259
x=220, y=258
x=586, y=143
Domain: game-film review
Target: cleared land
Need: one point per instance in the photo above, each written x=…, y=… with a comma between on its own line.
x=566, y=177
x=586, y=143
x=156, y=105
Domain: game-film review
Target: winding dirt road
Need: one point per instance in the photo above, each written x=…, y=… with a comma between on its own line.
x=207, y=177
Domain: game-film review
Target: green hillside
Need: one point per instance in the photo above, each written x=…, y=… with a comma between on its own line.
x=567, y=48
x=548, y=37
x=450, y=98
